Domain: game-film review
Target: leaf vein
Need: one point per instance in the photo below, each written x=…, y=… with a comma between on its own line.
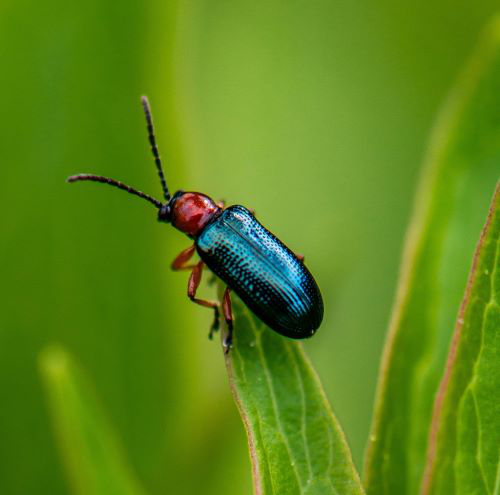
x=478, y=444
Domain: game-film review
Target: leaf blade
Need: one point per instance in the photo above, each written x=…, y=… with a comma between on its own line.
x=93, y=458
x=461, y=458
x=296, y=444
x=453, y=194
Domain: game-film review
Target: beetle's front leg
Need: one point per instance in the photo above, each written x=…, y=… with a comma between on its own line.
x=228, y=316
x=182, y=258
x=193, y=284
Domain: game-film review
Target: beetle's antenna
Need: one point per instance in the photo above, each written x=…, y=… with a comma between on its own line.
x=114, y=183
x=154, y=148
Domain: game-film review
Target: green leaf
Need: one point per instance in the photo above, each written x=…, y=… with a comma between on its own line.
x=93, y=458
x=464, y=446
x=461, y=170
x=296, y=444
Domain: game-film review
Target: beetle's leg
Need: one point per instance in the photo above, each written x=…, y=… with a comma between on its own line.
x=228, y=316
x=300, y=257
x=193, y=284
x=183, y=257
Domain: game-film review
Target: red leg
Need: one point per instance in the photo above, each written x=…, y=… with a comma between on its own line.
x=228, y=316
x=193, y=284
x=184, y=256
x=221, y=204
x=301, y=257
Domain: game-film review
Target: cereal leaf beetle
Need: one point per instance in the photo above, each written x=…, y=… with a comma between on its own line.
x=268, y=277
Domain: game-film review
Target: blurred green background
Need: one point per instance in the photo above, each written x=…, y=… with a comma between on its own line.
x=316, y=114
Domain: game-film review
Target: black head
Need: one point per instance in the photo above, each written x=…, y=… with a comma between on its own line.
x=164, y=213
x=166, y=209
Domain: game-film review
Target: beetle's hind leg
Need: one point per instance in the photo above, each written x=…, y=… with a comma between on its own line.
x=228, y=316
x=193, y=284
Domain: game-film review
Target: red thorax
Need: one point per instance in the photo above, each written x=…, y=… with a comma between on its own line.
x=192, y=211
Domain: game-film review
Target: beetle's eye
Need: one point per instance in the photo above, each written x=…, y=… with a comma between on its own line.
x=164, y=214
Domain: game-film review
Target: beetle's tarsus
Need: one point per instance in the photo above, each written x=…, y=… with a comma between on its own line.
x=228, y=316
x=215, y=325
x=228, y=341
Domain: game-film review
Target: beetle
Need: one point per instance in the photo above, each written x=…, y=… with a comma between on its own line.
x=268, y=277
